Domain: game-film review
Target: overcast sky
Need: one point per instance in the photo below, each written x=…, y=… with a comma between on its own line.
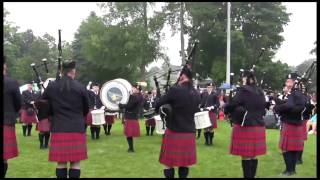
x=299, y=34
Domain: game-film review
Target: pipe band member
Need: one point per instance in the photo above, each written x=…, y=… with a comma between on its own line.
x=69, y=100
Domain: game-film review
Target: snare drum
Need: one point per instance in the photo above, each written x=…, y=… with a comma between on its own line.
x=202, y=119
x=159, y=125
x=98, y=117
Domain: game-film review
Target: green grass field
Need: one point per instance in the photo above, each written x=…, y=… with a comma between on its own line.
x=108, y=157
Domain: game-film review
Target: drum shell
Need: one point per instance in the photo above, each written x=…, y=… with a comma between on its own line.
x=202, y=120
x=159, y=125
x=122, y=85
x=98, y=117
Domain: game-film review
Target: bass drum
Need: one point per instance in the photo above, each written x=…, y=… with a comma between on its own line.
x=113, y=92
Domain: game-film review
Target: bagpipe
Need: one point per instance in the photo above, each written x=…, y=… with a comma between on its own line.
x=165, y=111
x=42, y=106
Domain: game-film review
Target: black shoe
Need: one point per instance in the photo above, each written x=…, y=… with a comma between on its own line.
x=108, y=133
x=287, y=173
x=130, y=150
x=299, y=162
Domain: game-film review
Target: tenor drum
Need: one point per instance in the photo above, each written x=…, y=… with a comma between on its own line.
x=114, y=92
x=98, y=117
x=202, y=120
x=160, y=128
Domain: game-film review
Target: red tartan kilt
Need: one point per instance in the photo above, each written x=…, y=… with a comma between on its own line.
x=304, y=132
x=10, y=146
x=291, y=137
x=178, y=149
x=213, y=119
x=131, y=128
x=25, y=118
x=150, y=122
x=248, y=141
x=89, y=118
x=66, y=147
x=43, y=125
x=109, y=119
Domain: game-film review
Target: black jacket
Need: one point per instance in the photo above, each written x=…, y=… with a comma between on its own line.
x=12, y=100
x=185, y=100
x=208, y=100
x=95, y=100
x=69, y=108
x=132, y=108
x=27, y=97
x=291, y=110
x=250, y=102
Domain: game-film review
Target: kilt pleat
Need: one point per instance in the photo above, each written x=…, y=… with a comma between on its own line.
x=248, y=141
x=109, y=119
x=89, y=118
x=10, y=146
x=25, y=118
x=291, y=137
x=213, y=119
x=66, y=147
x=150, y=122
x=131, y=128
x=178, y=149
x=43, y=125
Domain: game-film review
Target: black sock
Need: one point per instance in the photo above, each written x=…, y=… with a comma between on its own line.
x=299, y=155
x=210, y=137
x=98, y=132
x=206, y=137
x=246, y=168
x=109, y=128
x=92, y=130
x=254, y=165
x=199, y=133
x=5, y=167
x=46, y=139
x=152, y=129
x=293, y=159
x=183, y=172
x=41, y=136
x=286, y=158
x=130, y=143
x=74, y=173
x=148, y=130
x=105, y=128
x=168, y=173
x=24, y=129
x=62, y=173
x=29, y=129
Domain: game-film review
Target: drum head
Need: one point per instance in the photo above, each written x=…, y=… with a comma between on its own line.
x=115, y=91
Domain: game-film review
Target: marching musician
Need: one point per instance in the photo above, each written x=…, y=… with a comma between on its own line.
x=12, y=101
x=95, y=103
x=28, y=115
x=131, y=115
x=70, y=104
x=43, y=126
x=178, y=147
x=307, y=113
x=210, y=101
x=148, y=105
x=291, y=136
x=109, y=118
x=248, y=138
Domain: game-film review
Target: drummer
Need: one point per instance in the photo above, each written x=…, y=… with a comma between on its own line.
x=95, y=103
x=210, y=102
x=131, y=116
x=148, y=106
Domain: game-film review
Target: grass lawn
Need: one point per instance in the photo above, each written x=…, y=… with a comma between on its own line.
x=108, y=157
